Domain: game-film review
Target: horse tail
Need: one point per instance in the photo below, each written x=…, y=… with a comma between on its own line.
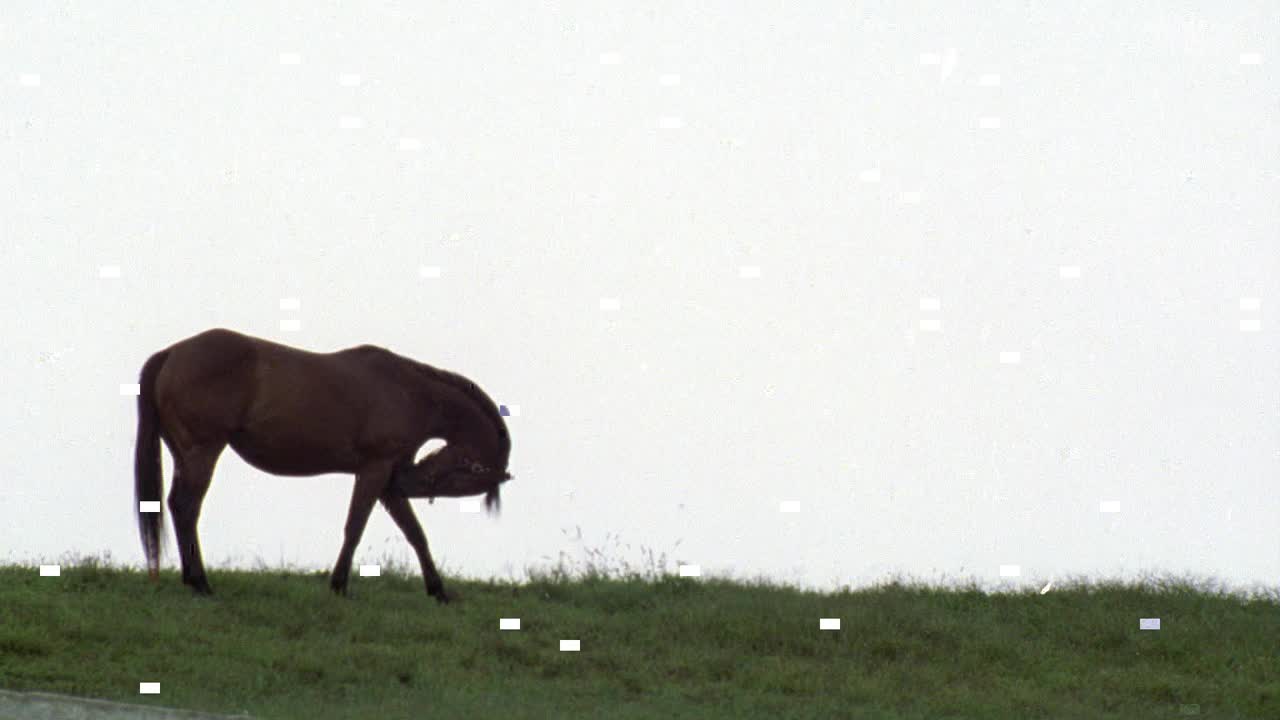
x=148, y=483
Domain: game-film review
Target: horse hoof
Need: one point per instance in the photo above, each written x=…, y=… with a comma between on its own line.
x=439, y=594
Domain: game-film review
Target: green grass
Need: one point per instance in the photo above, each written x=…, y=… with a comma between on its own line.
x=278, y=644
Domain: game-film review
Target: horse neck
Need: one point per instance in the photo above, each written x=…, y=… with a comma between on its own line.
x=468, y=418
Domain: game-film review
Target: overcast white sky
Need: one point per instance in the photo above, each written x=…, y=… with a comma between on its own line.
x=702, y=249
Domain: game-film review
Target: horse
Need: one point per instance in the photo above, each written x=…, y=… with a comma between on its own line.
x=290, y=412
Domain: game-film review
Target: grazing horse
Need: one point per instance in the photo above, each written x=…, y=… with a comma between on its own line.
x=363, y=410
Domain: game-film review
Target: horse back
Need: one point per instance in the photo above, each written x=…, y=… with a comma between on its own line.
x=269, y=399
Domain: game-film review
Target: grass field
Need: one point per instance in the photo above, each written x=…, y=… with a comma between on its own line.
x=278, y=644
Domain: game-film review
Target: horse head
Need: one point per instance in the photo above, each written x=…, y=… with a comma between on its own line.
x=452, y=471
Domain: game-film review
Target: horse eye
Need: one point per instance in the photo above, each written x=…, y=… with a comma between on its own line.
x=477, y=468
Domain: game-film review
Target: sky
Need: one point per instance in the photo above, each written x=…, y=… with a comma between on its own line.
x=818, y=292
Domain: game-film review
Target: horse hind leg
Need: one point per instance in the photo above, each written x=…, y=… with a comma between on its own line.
x=191, y=476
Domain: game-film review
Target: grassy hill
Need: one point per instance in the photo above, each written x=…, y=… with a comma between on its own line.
x=277, y=644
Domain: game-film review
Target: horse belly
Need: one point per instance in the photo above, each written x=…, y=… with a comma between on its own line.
x=292, y=453
x=296, y=423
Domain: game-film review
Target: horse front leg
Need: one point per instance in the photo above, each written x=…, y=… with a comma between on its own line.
x=401, y=511
x=370, y=484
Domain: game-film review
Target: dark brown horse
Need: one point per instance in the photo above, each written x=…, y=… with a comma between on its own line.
x=364, y=410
